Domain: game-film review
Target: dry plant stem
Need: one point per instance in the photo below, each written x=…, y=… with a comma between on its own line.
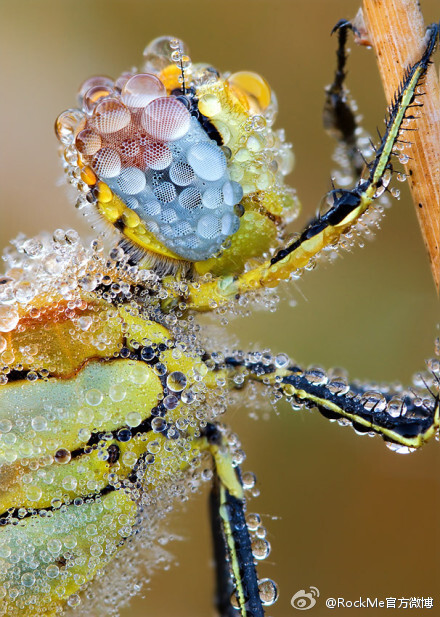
x=396, y=31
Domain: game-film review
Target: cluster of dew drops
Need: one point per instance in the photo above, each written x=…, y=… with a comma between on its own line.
x=151, y=152
x=64, y=266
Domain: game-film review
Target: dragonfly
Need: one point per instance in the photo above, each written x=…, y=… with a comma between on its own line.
x=138, y=291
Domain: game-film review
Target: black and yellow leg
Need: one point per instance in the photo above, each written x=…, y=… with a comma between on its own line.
x=347, y=207
x=237, y=582
x=403, y=421
x=407, y=421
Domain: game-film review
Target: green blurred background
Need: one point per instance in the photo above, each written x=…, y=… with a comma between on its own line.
x=351, y=518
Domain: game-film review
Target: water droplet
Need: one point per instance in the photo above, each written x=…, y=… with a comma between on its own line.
x=249, y=480
x=39, y=423
x=54, y=546
x=9, y=318
x=281, y=360
x=28, y=579
x=433, y=365
x=268, y=591
x=117, y=393
x=260, y=549
x=33, y=493
x=85, y=322
x=176, y=381
x=124, y=435
x=234, y=601
x=338, y=386
x=5, y=425
x=69, y=483
x=133, y=418
x=94, y=397
x=160, y=369
x=62, y=456
x=170, y=402
x=66, y=125
x=209, y=105
x=129, y=459
x=399, y=448
x=158, y=425
x=373, y=401
x=188, y=397
x=396, y=407
x=253, y=521
x=52, y=571
x=74, y=599
x=316, y=376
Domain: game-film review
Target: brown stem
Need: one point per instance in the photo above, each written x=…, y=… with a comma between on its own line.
x=396, y=31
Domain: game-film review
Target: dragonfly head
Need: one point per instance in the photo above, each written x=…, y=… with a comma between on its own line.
x=181, y=161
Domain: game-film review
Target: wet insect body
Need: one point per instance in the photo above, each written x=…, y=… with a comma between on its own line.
x=110, y=395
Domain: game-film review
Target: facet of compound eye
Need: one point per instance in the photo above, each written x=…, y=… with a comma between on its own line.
x=213, y=198
x=156, y=155
x=141, y=89
x=209, y=226
x=229, y=224
x=232, y=193
x=131, y=180
x=182, y=228
x=129, y=149
x=111, y=116
x=151, y=208
x=169, y=215
x=165, y=192
x=181, y=173
x=107, y=163
x=207, y=160
x=88, y=142
x=166, y=119
x=190, y=198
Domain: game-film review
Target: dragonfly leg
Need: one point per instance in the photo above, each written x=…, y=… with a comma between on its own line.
x=237, y=580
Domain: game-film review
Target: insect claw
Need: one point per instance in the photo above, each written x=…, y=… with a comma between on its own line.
x=342, y=24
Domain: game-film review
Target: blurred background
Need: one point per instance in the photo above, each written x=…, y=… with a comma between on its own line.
x=344, y=514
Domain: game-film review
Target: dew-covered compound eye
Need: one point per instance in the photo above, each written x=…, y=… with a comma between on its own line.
x=180, y=160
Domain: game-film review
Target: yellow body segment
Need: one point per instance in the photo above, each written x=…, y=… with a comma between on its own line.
x=65, y=549
x=116, y=212
x=110, y=397
x=88, y=426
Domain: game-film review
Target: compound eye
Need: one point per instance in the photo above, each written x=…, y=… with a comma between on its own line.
x=157, y=159
x=166, y=119
x=110, y=116
x=207, y=161
x=179, y=158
